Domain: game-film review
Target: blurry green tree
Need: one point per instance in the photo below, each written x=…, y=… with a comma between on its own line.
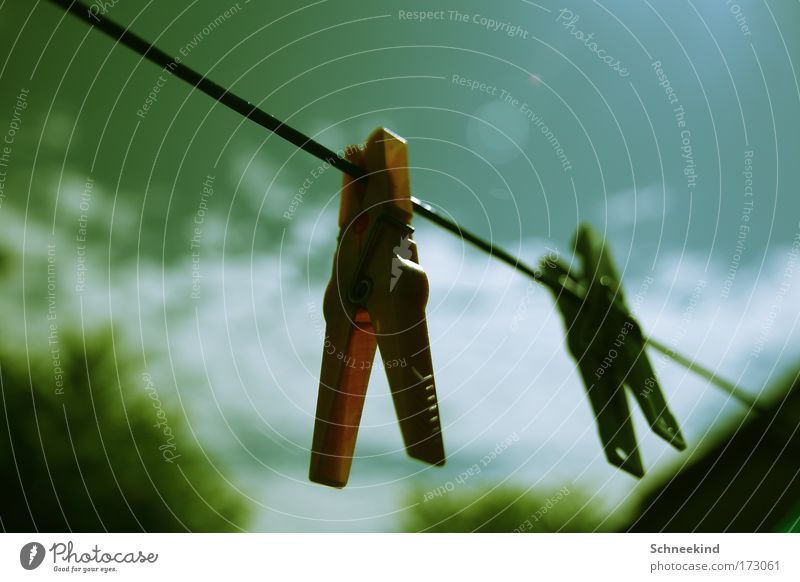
x=92, y=458
x=506, y=510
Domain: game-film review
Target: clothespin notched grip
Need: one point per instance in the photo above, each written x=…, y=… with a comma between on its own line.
x=375, y=300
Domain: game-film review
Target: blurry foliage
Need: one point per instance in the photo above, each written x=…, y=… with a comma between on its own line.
x=744, y=478
x=89, y=459
x=507, y=509
x=792, y=524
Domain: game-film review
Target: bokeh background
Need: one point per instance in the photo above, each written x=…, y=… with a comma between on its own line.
x=161, y=343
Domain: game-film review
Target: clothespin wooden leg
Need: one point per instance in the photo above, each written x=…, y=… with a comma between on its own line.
x=343, y=387
x=606, y=391
x=348, y=351
x=405, y=349
x=642, y=382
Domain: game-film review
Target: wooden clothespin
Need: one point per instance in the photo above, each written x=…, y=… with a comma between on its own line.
x=376, y=297
x=607, y=342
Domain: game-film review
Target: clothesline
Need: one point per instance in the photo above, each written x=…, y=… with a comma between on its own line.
x=252, y=112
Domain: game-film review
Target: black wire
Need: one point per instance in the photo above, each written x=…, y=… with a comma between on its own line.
x=209, y=87
x=293, y=136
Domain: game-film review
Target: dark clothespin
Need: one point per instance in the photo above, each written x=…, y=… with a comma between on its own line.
x=376, y=298
x=607, y=342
